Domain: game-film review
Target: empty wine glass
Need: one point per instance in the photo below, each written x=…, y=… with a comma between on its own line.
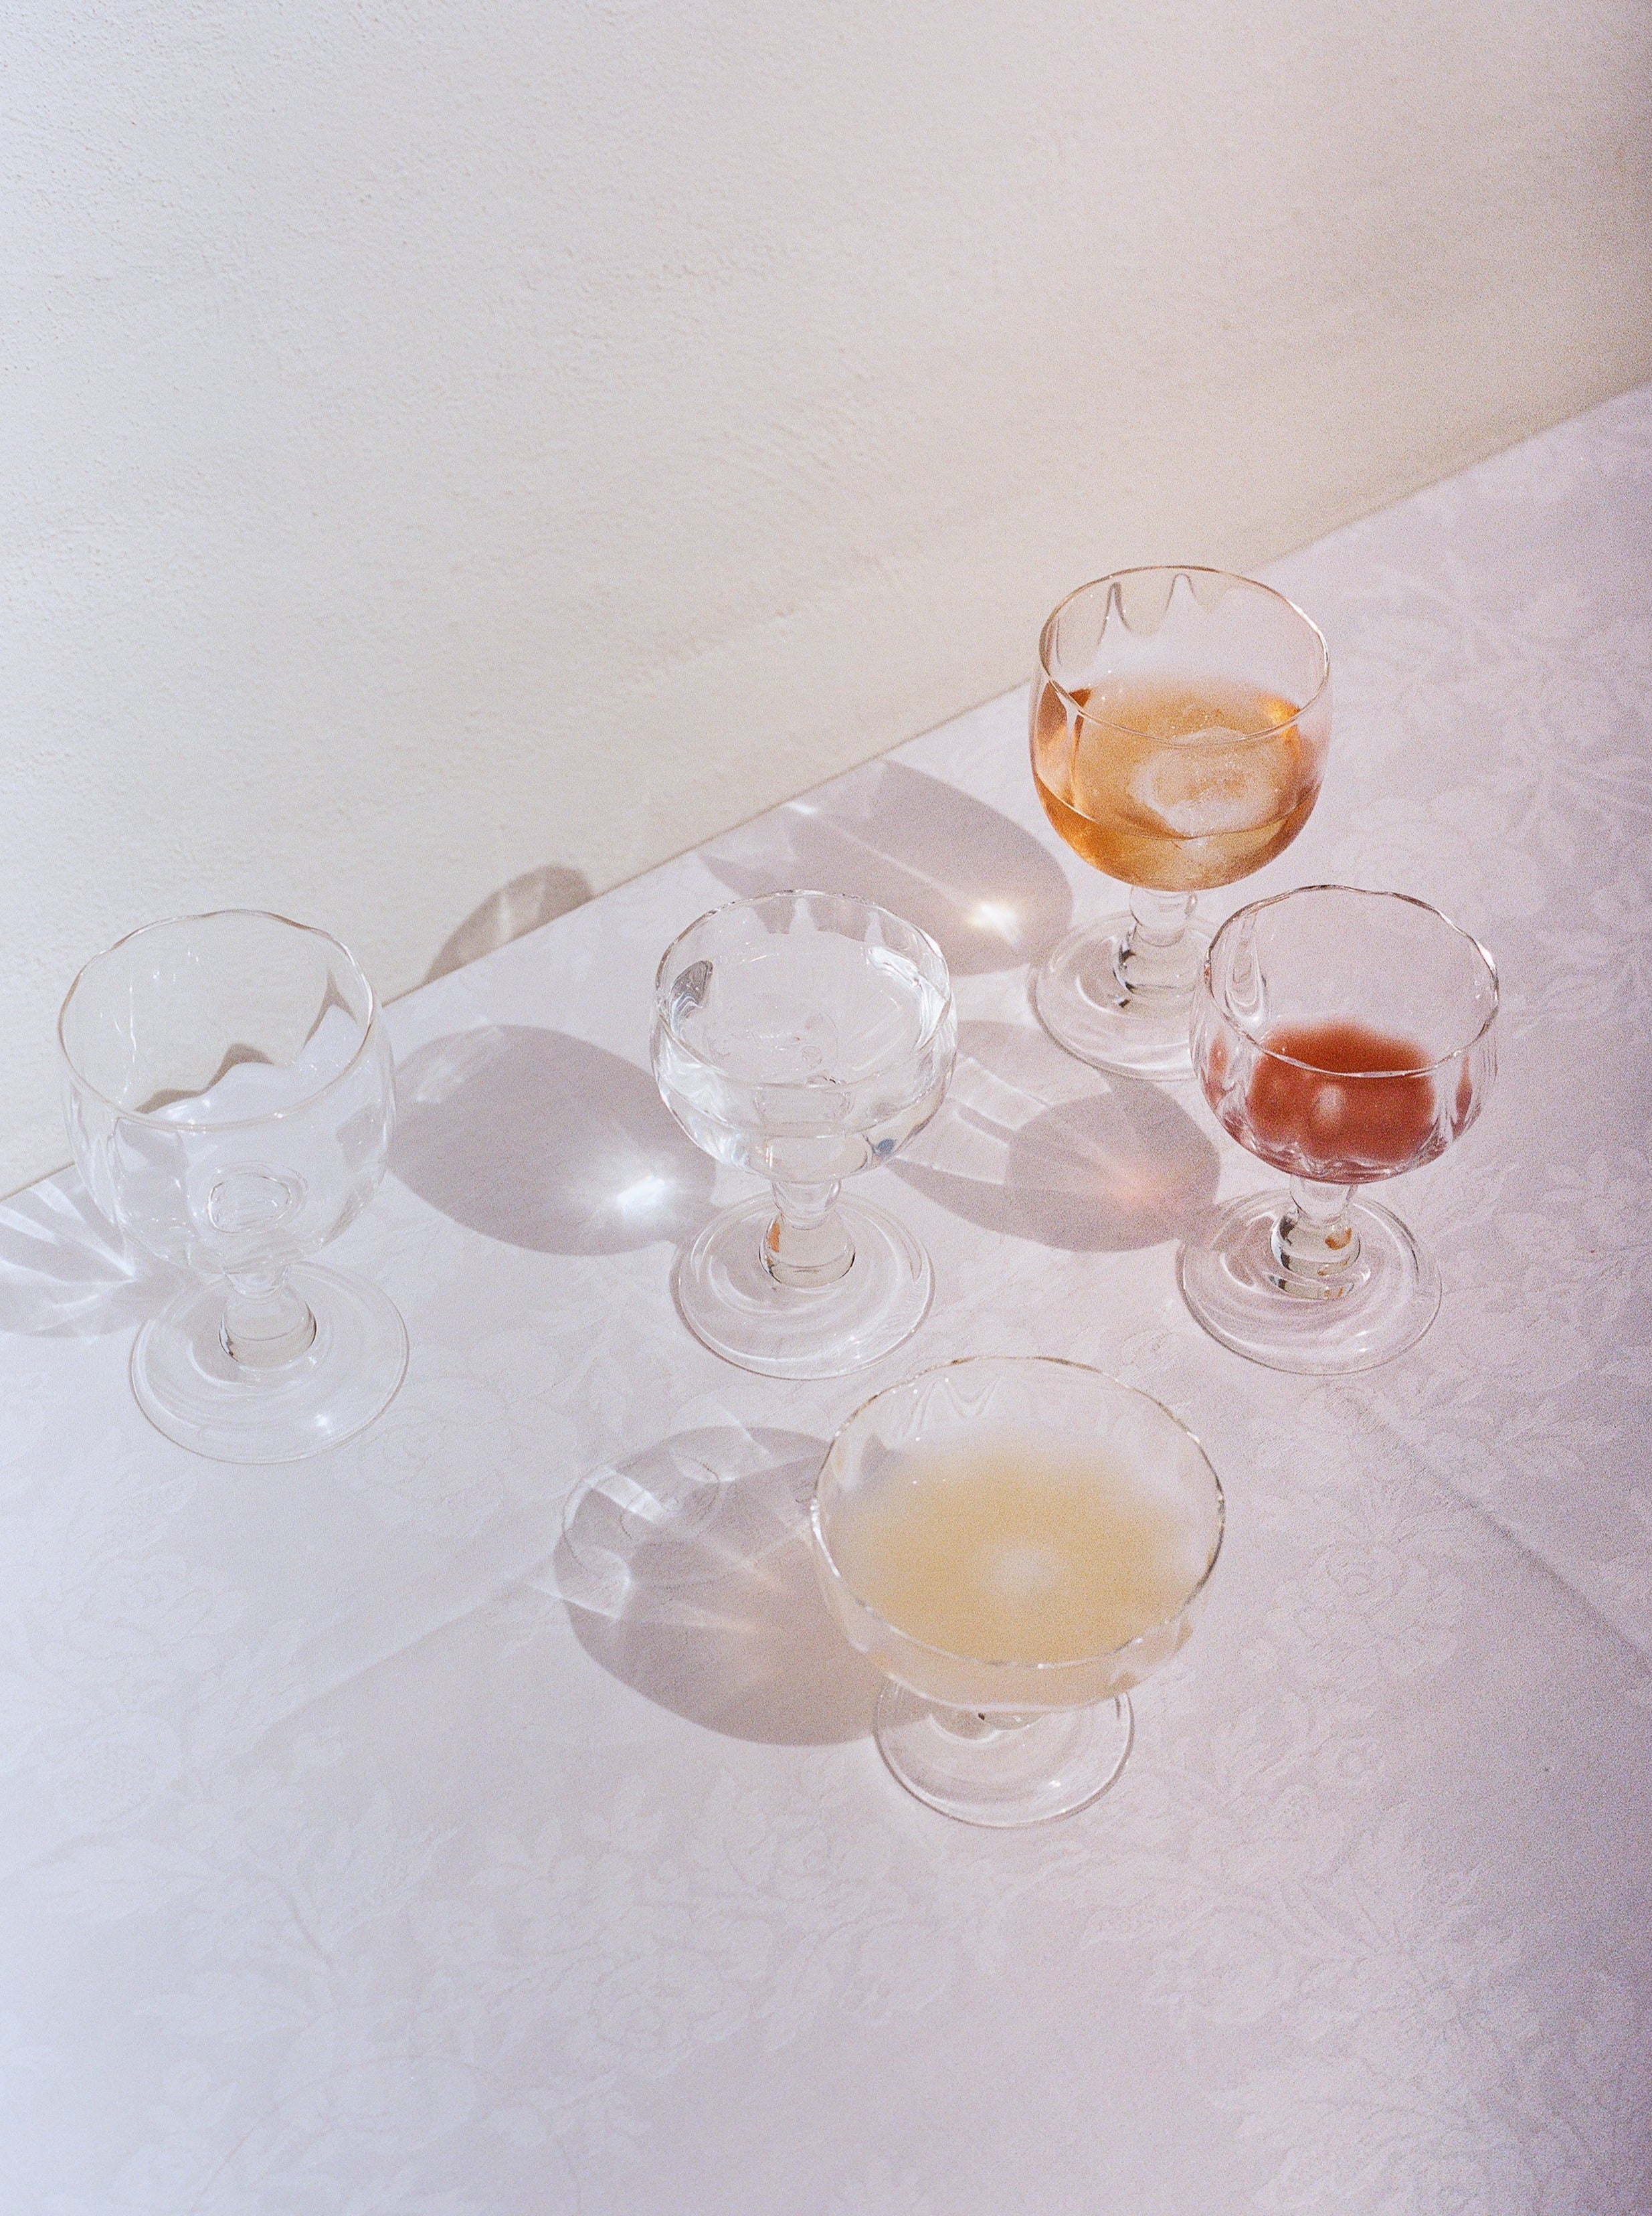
x=805, y=1036
x=1015, y=1542
x=1343, y=1037
x=228, y=1088
x=1180, y=719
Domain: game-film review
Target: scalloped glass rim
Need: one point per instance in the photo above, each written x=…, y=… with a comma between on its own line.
x=1048, y=1671
x=1363, y=892
x=942, y=980
x=1175, y=569
x=239, y=1122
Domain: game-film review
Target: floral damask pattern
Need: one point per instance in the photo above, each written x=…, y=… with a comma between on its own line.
x=361, y=1859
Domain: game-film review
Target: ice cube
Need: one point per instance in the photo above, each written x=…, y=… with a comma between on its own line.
x=1214, y=781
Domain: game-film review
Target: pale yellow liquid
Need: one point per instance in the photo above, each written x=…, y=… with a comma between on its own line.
x=1021, y=1549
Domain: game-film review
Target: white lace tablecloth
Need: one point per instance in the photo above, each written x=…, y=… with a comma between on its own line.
x=351, y=1865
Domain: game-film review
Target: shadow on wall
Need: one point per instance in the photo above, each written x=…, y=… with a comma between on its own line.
x=723, y=1622
x=546, y=1142
x=536, y=896
x=1030, y=1143
x=985, y=890
x=67, y=1273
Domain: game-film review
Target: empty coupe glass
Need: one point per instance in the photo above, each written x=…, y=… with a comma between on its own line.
x=1180, y=719
x=1015, y=1542
x=228, y=1088
x=1343, y=1037
x=805, y=1036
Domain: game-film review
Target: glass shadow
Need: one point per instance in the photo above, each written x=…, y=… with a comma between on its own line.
x=538, y=896
x=65, y=1271
x=686, y=1573
x=546, y=1142
x=1031, y=1142
x=986, y=891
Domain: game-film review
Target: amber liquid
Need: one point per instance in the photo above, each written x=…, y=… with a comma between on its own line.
x=1343, y=1119
x=1019, y=1551
x=1174, y=783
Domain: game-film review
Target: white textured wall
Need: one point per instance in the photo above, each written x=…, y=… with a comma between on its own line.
x=448, y=441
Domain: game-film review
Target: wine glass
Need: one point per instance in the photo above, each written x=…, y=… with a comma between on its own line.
x=1180, y=719
x=805, y=1036
x=1343, y=1037
x=228, y=1089
x=1015, y=1542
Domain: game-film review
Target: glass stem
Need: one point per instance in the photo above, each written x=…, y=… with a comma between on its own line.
x=1313, y=1242
x=1158, y=954
x=808, y=1244
x=266, y=1323
x=976, y=1723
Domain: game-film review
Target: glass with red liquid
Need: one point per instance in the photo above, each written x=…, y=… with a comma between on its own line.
x=1343, y=1038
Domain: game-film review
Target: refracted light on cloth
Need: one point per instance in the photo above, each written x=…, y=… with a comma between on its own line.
x=648, y=1193
x=1000, y=917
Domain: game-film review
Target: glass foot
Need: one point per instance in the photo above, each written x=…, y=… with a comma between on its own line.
x=1235, y=1287
x=732, y=1305
x=1083, y=1005
x=1002, y=1771
x=187, y=1385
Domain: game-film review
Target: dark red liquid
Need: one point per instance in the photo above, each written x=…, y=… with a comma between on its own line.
x=1341, y=1118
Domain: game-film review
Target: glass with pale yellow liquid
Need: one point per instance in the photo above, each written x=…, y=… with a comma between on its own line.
x=1015, y=1542
x=1181, y=720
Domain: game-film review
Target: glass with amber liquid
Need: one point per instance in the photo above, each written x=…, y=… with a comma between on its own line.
x=1343, y=1038
x=1180, y=719
x=1015, y=1543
